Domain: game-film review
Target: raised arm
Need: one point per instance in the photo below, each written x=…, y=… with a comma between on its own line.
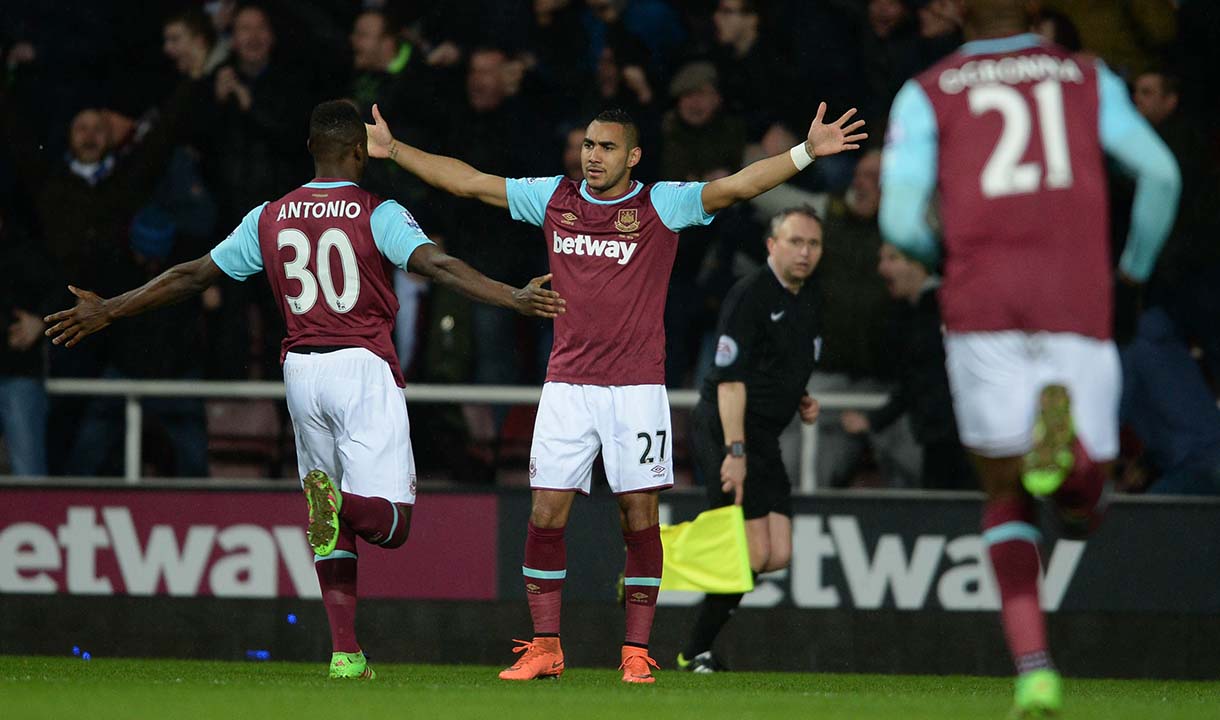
x=93, y=313
x=759, y=177
x=429, y=261
x=449, y=174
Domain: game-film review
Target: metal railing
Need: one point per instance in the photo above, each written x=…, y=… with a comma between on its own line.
x=134, y=390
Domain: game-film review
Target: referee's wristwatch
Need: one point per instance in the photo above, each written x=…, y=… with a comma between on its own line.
x=737, y=449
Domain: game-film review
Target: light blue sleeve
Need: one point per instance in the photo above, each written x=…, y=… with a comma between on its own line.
x=395, y=232
x=528, y=197
x=908, y=175
x=1128, y=138
x=680, y=204
x=238, y=255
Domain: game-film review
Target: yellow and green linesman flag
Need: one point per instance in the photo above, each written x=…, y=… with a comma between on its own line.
x=708, y=554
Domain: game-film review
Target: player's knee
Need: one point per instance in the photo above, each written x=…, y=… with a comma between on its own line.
x=401, y=530
x=780, y=558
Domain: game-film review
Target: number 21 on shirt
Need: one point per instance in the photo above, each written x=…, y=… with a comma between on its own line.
x=1004, y=173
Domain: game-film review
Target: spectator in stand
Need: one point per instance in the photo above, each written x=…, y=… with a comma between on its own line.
x=23, y=303
x=922, y=388
x=616, y=85
x=701, y=140
x=889, y=54
x=1059, y=29
x=1130, y=35
x=252, y=152
x=940, y=29
x=1186, y=281
x=641, y=32
x=477, y=134
x=190, y=41
x=552, y=57
x=857, y=358
x=749, y=67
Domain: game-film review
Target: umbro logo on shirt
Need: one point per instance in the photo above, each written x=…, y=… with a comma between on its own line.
x=775, y=316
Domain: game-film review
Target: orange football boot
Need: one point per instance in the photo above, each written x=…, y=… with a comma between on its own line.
x=635, y=665
x=542, y=658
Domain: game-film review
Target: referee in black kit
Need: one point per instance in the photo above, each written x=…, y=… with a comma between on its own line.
x=769, y=341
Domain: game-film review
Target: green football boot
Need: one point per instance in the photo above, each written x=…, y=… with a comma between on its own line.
x=1050, y=461
x=324, y=500
x=1039, y=695
x=350, y=666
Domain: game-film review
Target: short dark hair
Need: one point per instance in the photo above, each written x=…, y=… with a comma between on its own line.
x=196, y=21
x=334, y=127
x=778, y=218
x=620, y=116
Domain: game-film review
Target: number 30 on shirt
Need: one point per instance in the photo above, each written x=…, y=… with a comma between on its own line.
x=332, y=239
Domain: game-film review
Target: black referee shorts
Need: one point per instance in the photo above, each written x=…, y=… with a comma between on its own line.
x=767, y=489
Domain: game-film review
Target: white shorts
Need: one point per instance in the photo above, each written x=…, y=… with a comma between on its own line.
x=629, y=423
x=996, y=378
x=351, y=422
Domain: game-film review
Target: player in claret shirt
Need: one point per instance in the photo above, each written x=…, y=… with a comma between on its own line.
x=612, y=242
x=1011, y=132
x=330, y=248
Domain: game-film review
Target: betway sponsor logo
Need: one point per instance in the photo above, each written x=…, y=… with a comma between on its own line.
x=586, y=245
x=235, y=561
x=833, y=567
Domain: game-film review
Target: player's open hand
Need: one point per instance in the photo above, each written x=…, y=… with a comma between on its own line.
x=833, y=138
x=809, y=410
x=533, y=299
x=72, y=326
x=380, y=137
x=733, y=477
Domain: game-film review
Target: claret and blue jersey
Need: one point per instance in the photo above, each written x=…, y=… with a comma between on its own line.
x=331, y=248
x=611, y=260
x=1010, y=135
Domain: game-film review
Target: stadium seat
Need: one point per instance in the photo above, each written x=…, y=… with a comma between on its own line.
x=244, y=438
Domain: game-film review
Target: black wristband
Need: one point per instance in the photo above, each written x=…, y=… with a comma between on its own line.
x=737, y=448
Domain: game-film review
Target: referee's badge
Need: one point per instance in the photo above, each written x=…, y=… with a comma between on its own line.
x=817, y=348
x=726, y=351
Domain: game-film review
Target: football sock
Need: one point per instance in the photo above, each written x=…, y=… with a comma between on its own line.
x=376, y=520
x=1012, y=543
x=642, y=582
x=337, y=579
x=714, y=613
x=545, y=569
x=1082, y=494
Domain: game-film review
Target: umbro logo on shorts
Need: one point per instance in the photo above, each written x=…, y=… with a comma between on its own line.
x=658, y=470
x=533, y=467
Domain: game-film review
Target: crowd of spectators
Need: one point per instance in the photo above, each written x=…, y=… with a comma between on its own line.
x=137, y=134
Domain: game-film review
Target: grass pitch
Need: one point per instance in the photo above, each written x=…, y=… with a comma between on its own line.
x=49, y=687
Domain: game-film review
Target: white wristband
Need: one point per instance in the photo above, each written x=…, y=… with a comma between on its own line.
x=800, y=156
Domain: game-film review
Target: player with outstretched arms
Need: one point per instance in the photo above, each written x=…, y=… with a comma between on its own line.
x=1010, y=132
x=611, y=242
x=330, y=249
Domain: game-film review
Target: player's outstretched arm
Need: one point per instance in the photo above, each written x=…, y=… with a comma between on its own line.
x=449, y=174
x=758, y=177
x=93, y=313
x=449, y=271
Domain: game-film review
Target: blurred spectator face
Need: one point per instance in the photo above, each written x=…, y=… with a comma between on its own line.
x=795, y=247
x=699, y=106
x=864, y=194
x=372, y=49
x=903, y=276
x=252, y=37
x=187, y=49
x=606, y=155
x=606, y=10
x=1153, y=99
x=546, y=8
x=938, y=18
x=884, y=16
x=734, y=22
x=484, y=87
x=571, y=154
x=89, y=136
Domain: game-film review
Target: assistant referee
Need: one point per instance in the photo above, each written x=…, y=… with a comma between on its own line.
x=769, y=342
